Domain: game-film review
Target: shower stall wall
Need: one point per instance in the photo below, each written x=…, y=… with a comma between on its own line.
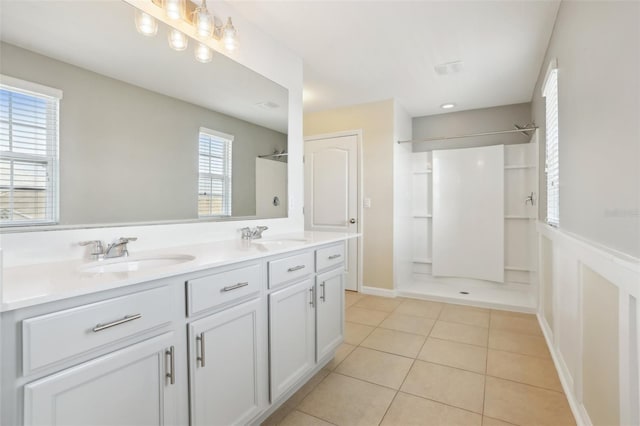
x=457, y=249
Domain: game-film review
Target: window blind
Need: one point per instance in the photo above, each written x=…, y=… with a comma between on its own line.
x=28, y=155
x=552, y=165
x=214, y=183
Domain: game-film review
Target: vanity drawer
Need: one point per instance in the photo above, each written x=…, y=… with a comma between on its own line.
x=290, y=268
x=54, y=337
x=329, y=257
x=222, y=288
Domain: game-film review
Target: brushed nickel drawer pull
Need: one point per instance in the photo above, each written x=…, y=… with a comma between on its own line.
x=100, y=327
x=334, y=256
x=201, y=357
x=235, y=286
x=171, y=375
x=295, y=268
x=312, y=290
x=323, y=296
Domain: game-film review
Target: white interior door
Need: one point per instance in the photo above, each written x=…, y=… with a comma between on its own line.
x=331, y=193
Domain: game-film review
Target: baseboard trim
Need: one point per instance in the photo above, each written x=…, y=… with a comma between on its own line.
x=376, y=291
x=577, y=408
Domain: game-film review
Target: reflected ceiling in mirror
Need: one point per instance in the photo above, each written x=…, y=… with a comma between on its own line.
x=133, y=112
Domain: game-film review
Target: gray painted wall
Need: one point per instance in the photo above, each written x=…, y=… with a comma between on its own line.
x=469, y=122
x=131, y=155
x=597, y=46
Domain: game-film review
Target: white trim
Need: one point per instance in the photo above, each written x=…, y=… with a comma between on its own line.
x=376, y=291
x=30, y=87
x=227, y=137
x=553, y=65
x=360, y=196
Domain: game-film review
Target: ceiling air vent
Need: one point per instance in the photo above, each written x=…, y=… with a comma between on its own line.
x=448, y=68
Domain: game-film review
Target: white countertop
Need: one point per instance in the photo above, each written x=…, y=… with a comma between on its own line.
x=24, y=286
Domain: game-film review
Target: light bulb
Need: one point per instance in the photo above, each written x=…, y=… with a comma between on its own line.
x=178, y=40
x=230, y=36
x=203, y=53
x=174, y=9
x=146, y=24
x=203, y=21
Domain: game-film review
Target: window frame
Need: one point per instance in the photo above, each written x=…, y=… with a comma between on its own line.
x=52, y=157
x=227, y=176
x=552, y=144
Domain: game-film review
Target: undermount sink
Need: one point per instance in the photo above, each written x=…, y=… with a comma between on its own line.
x=128, y=264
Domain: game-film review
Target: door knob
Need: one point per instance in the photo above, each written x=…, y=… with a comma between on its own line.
x=352, y=220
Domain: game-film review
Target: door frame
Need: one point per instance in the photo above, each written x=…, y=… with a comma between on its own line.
x=360, y=194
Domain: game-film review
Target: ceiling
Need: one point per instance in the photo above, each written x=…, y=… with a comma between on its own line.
x=363, y=51
x=100, y=36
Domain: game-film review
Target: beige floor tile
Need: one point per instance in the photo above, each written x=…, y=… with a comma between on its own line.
x=297, y=418
x=408, y=323
x=410, y=410
x=525, y=405
x=376, y=367
x=341, y=353
x=465, y=315
x=355, y=333
x=454, y=354
x=395, y=342
x=488, y=421
x=511, y=313
x=519, y=323
x=420, y=308
x=343, y=400
x=525, y=344
x=452, y=386
x=290, y=404
x=527, y=369
x=460, y=333
x=351, y=298
x=365, y=316
x=386, y=304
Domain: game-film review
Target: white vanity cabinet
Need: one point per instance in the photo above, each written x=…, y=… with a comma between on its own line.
x=131, y=386
x=329, y=312
x=291, y=335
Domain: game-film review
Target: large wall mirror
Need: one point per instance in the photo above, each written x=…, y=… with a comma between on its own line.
x=146, y=133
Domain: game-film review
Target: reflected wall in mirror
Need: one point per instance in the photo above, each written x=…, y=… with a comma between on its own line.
x=146, y=133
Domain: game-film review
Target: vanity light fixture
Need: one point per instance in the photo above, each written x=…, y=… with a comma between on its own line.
x=203, y=53
x=199, y=17
x=174, y=9
x=146, y=24
x=178, y=40
x=203, y=21
x=229, y=36
x=447, y=106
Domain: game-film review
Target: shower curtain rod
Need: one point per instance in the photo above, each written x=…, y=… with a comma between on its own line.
x=499, y=132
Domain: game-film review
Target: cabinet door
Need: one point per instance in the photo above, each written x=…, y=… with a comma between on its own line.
x=330, y=312
x=228, y=352
x=291, y=335
x=131, y=386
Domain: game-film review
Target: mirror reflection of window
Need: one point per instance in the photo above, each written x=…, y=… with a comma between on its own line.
x=214, y=176
x=29, y=153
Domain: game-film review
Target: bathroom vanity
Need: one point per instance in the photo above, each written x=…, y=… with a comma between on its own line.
x=222, y=334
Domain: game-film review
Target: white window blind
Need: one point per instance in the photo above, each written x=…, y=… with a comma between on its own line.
x=214, y=184
x=552, y=171
x=28, y=153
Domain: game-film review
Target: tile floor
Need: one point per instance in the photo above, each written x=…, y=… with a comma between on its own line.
x=413, y=362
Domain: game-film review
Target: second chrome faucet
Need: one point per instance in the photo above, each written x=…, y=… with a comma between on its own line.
x=253, y=233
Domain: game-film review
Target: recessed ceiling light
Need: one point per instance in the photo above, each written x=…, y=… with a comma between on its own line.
x=447, y=106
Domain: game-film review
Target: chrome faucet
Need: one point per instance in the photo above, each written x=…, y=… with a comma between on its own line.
x=253, y=233
x=117, y=249
x=120, y=247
